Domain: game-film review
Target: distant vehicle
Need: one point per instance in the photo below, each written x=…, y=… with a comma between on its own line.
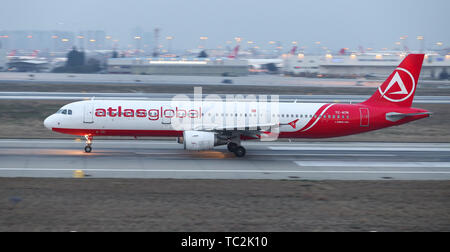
x=214, y=123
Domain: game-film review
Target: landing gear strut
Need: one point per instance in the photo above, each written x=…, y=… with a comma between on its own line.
x=232, y=147
x=88, y=147
x=238, y=150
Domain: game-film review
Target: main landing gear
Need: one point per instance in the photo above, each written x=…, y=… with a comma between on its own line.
x=88, y=147
x=238, y=150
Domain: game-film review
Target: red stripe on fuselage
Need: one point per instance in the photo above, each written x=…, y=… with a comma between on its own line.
x=313, y=119
x=114, y=132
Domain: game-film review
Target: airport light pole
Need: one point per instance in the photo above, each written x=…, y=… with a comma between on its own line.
x=4, y=40
x=405, y=46
x=93, y=43
x=81, y=41
x=439, y=45
x=203, y=40
x=138, y=45
x=421, y=40
x=55, y=42
x=108, y=39
x=169, y=43
x=318, y=47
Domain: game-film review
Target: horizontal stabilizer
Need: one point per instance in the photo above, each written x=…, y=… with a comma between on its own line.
x=394, y=116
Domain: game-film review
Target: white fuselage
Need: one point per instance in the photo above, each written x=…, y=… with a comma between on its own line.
x=170, y=116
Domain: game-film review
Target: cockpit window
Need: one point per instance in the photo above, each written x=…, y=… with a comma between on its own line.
x=64, y=111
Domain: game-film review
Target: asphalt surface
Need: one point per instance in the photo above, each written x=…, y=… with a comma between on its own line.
x=264, y=160
x=167, y=96
x=250, y=80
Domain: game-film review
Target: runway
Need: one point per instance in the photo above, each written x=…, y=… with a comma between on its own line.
x=264, y=160
x=250, y=80
x=166, y=96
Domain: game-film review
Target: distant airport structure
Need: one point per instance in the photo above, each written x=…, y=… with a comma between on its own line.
x=361, y=65
x=178, y=66
x=2, y=59
x=143, y=52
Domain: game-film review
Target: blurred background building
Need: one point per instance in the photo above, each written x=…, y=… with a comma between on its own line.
x=151, y=52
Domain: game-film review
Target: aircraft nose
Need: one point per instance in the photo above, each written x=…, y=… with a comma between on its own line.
x=48, y=123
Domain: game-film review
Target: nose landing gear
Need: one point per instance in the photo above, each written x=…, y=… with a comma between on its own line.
x=88, y=147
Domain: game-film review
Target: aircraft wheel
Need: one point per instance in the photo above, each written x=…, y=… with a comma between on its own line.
x=88, y=149
x=239, y=151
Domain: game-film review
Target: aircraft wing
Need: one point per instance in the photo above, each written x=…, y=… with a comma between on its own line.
x=252, y=127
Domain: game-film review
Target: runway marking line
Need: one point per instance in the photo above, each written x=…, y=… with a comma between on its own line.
x=372, y=164
x=374, y=148
x=227, y=171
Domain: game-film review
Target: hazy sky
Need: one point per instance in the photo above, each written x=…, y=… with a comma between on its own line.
x=336, y=23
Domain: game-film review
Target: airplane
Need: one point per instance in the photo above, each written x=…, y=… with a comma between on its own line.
x=293, y=50
x=234, y=53
x=214, y=123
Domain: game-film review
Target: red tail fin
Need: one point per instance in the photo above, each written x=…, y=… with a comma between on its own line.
x=35, y=53
x=234, y=54
x=399, y=88
x=293, y=50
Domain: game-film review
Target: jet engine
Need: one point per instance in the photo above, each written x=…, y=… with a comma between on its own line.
x=200, y=140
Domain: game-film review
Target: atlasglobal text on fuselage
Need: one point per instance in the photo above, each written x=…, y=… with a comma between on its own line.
x=202, y=124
